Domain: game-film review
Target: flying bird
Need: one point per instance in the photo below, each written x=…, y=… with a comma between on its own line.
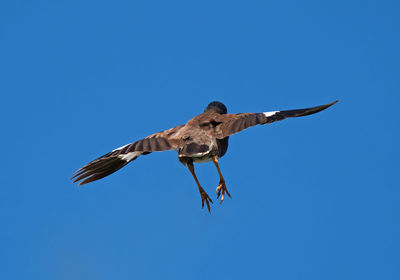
x=203, y=138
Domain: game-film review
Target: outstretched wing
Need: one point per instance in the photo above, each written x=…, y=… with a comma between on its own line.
x=118, y=158
x=233, y=123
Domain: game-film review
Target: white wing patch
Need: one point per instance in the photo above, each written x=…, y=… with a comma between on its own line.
x=269, y=114
x=120, y=148
x=130, y=156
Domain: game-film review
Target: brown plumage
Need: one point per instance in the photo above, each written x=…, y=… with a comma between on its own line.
x=203, y=138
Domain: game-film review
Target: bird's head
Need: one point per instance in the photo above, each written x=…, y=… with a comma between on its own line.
x=217, y=107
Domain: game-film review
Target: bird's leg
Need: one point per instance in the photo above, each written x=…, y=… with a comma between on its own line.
x=221, y=186
x=204, y=195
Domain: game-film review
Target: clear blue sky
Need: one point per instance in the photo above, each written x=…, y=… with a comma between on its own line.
x=313, y=198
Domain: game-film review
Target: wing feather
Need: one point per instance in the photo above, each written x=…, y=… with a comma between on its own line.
x=234, y=123
x=118, y=158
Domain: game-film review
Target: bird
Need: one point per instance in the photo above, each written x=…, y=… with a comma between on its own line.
x=203, y=138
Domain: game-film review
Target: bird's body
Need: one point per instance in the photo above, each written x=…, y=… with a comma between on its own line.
x=203, y=138
x=199, y=143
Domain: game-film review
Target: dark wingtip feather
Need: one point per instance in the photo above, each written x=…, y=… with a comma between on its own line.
x=94, y=176
x=308, y=111
x=334, y=102
x=321, y=108
x=98, y=169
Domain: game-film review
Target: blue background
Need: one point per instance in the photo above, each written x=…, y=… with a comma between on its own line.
x=313, y=198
